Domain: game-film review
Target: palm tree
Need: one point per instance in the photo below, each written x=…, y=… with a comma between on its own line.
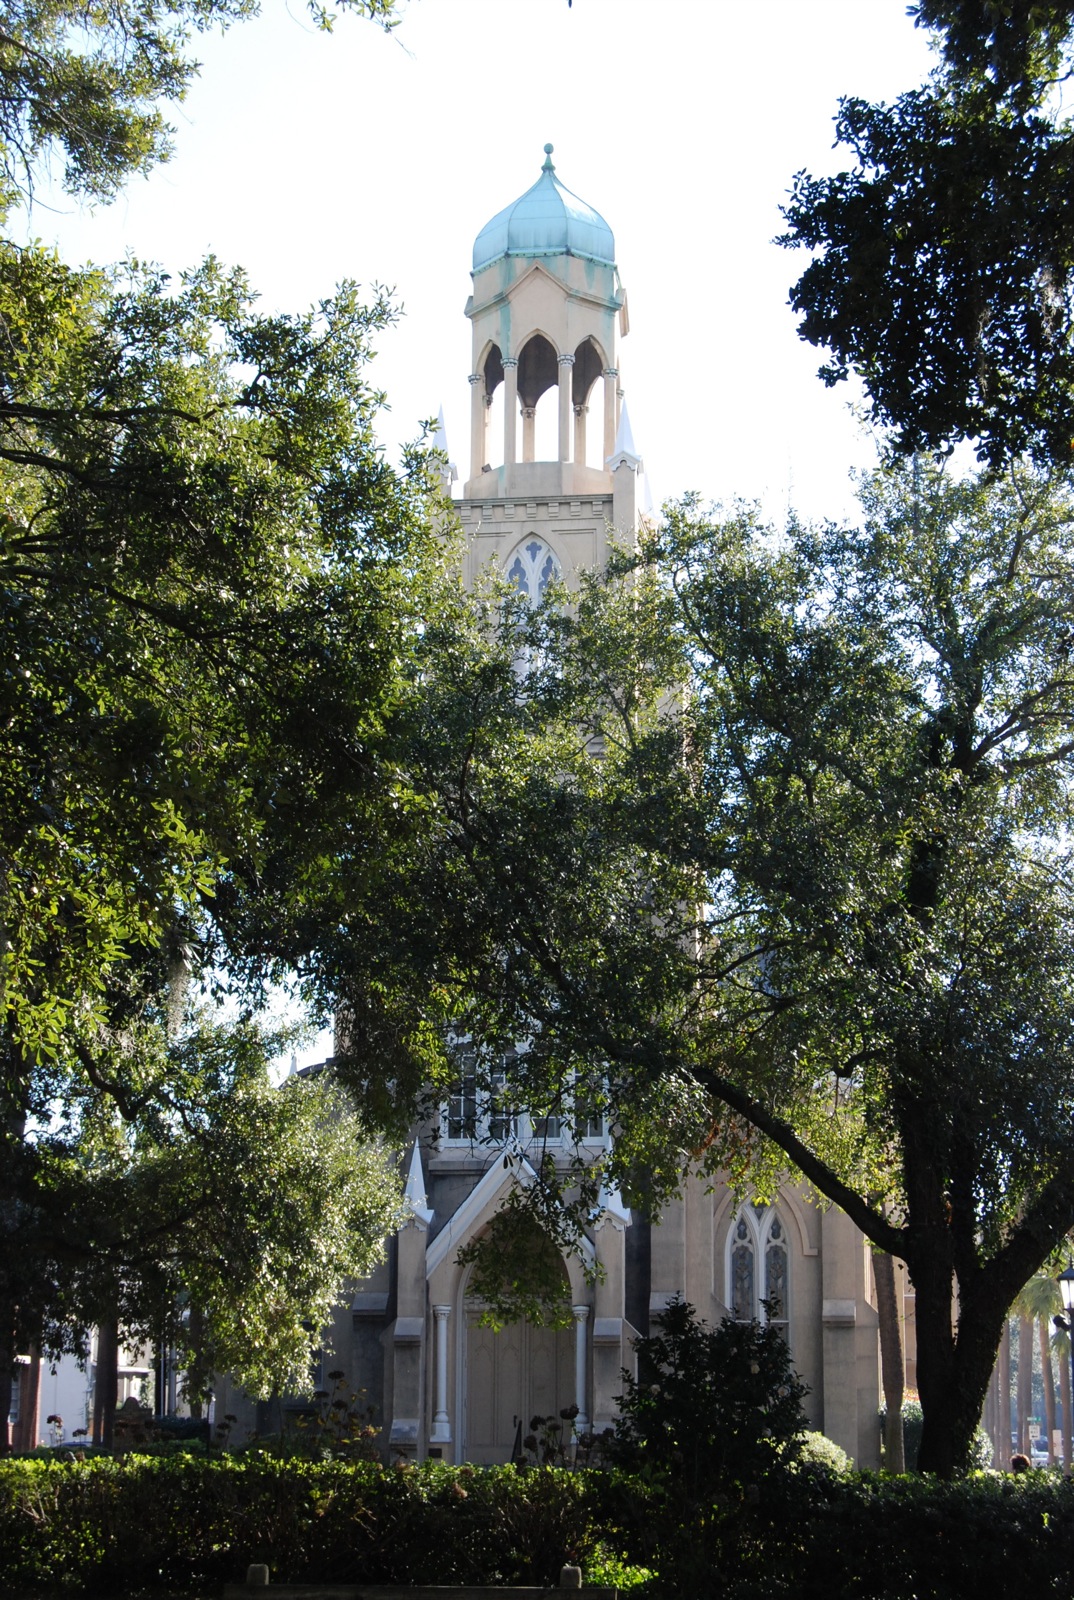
x=1038, y=1302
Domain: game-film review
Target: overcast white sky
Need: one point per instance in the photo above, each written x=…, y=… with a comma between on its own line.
x=307, y=158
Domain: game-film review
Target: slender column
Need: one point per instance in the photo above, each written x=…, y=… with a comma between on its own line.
x=581, y=1317
x=510, y=408
x=566, y=363
x=611, y=377
x=441, y=1433
x=529, y=432
x=579, y=433
x=478, y=424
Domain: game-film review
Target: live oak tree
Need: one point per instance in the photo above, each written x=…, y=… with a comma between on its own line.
x=212, y=585
x=943, y=273
x=212, y=581
x=197, y=1206
x=765, y=845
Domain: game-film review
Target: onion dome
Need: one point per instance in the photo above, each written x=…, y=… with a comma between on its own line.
x=548, y=220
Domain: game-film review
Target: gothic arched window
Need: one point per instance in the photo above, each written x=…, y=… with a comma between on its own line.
x=532, y=568
x=757, y=1266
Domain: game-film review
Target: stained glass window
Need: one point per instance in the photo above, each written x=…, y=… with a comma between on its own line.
x=757, y=1266
x=775, y=1271
x=742, y=1261
x=532, y=568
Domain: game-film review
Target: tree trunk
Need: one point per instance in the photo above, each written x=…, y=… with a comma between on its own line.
x=8, y=1352
x=1025, y=1380
x=195, y=1372
x=1002, y=1440
x=6, y=1388
x=24, y=1433
x=106, y=1385
x=953, y=1372
x=1064, y=1395
x=891, y=1360
x=1048, y=1374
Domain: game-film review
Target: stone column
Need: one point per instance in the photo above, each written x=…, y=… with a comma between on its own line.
x=510, y=408
x=581, y=1317
x=611, y=378
x=441, y=1433
x=566, y=364
x=579, y=433
x=478, y=424
x=529, y=432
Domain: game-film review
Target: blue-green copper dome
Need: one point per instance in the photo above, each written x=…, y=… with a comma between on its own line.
x=546, y=221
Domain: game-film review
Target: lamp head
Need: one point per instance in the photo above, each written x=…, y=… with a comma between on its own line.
x=1066, y=1288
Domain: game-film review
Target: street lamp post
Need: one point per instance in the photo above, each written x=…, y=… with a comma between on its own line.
x=1066, y=1289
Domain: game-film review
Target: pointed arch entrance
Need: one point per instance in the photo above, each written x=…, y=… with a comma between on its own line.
x=509, y=1375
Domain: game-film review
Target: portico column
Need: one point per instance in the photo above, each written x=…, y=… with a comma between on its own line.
x=566, y=363
x=478, y=423
x=581, y=1317
x=611, y=378
x=441, y=1433
x=510, y=408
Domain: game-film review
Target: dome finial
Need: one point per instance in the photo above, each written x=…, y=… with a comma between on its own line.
x=548, y=167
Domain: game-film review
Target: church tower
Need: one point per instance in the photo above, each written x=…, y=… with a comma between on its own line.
x=552, y=464
x=553, y=477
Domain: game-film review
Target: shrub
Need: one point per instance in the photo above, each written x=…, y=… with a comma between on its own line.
x=913, y=1419
x=817, y=1450
x=710, y=1407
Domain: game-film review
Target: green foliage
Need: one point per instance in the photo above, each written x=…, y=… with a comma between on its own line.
x=711, y=1408
x=943, y=274
x=517, y=1268
x=212, y=592
x=124, y=1528
x=817, y=1450
x=83, y=82
x=913, y=1422
x=212, y=584
x=114, y=1526
x=341, y=1425
x=252, y=1203
x=808, y=912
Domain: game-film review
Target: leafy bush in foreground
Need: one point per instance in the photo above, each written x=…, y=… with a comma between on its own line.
x=710, y=1407
x=148, y=1526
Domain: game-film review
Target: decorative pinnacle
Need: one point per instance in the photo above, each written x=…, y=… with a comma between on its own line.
x=548, y=167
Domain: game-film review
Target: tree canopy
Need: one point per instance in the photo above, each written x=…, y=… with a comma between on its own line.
x=213, y=584
x=83, y=83
x=816, y=917
x=942, y=272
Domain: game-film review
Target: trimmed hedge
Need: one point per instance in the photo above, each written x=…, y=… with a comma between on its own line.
x=140, y=1524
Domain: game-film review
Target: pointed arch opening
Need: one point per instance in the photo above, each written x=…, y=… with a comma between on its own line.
x=587, y=400
x=492, y=372
x=538, y=399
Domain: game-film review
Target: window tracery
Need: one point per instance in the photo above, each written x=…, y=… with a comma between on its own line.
x=533, y=567
x=758, y=1264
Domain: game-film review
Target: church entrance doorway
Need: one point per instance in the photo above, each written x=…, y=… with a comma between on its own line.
x=521, y=1371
